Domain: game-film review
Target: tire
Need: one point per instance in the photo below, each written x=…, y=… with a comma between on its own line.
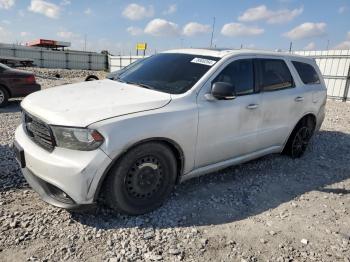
x=4, y=97
x=299, y=139
x=141, y=180
x=91, y=78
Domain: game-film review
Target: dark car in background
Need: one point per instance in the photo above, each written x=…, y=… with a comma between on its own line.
x=15, y=83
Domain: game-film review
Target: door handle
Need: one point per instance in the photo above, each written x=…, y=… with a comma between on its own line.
x=299, y=99
x=253, y=106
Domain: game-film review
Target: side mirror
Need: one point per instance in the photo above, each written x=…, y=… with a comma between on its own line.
x=223, y=91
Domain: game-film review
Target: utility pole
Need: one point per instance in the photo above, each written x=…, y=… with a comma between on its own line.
x=212, y=33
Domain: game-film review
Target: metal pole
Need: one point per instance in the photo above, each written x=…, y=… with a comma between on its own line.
x=212, y=33
x=347, y=87
x=290, y=47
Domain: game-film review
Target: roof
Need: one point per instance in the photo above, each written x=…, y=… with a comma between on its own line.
x=48, y=43
x=224, y=52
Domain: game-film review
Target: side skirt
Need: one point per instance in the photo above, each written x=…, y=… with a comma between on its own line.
x=230, y=162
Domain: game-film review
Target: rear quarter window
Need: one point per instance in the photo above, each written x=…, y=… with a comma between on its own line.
x=307, y=73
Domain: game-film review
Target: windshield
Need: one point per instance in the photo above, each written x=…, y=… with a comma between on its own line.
x=169, y=72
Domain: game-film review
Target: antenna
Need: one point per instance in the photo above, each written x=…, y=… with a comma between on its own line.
x=212, y=33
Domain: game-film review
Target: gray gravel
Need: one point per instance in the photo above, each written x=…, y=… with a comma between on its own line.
x=47, y=77
x=271, y=209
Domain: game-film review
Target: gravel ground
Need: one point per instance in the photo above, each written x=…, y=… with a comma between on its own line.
x=46, y=77
x=270, y=209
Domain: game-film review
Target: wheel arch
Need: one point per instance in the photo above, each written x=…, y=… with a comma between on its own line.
x=175, y=148
x=6, y=89
x=307, y=117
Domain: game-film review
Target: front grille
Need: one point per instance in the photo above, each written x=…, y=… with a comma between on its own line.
x=39, y=132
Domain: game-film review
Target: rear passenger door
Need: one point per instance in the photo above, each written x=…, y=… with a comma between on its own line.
x=282, y=102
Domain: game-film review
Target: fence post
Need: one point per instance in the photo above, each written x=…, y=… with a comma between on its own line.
x=41, y=58
x=107, y=64
x=89, y=62
x=14, y=51
x=67, y=60
x=347, y=87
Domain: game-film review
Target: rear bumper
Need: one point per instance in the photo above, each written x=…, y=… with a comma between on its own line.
x=24, y=90
x=320, y=118
x=75, y=174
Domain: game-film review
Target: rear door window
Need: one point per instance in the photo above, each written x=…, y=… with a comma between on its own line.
x=307, y=73
x=274, y=75
x=240, y=74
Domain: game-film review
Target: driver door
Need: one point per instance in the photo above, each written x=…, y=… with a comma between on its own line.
x=228, y=128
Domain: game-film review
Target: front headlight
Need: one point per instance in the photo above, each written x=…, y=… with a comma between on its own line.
x=83, y=139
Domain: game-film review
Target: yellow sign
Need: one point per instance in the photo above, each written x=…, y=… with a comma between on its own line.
x=141, y=46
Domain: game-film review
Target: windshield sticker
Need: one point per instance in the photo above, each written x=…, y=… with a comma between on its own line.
x=203, y=61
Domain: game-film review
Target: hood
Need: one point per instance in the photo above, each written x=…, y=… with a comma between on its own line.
x=84, y=103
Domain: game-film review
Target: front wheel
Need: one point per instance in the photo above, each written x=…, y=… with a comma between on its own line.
x=142, y=179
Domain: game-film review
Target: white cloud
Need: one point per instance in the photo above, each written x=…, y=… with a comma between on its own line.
x=194, y=28
x=237, y=29
x=342, y=9
x=310, y=46
x=170, y=10
x=134, y=31
x=65, y=2
x=67, y=34
x=272, y=17
x=45, y=8
x=161, y=27
x=306, y=30
x=88, y=11
x=345, y=44
x=6, y=4
x=25, y=34
x=137, y=12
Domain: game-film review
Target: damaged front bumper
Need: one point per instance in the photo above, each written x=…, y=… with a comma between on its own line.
x=64, y=178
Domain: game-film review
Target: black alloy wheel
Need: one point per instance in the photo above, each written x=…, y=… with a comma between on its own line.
x=300, y=141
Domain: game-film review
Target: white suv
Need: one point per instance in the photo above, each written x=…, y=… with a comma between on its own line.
x=173, y=116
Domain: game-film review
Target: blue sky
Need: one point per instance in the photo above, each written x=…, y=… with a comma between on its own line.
x=118, y=25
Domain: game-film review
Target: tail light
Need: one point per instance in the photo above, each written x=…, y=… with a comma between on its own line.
x=30, y=79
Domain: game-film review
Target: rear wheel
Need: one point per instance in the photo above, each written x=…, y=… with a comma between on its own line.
x=4, y=97
x=91, y=78
x=142, y=179
x=299, y=139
